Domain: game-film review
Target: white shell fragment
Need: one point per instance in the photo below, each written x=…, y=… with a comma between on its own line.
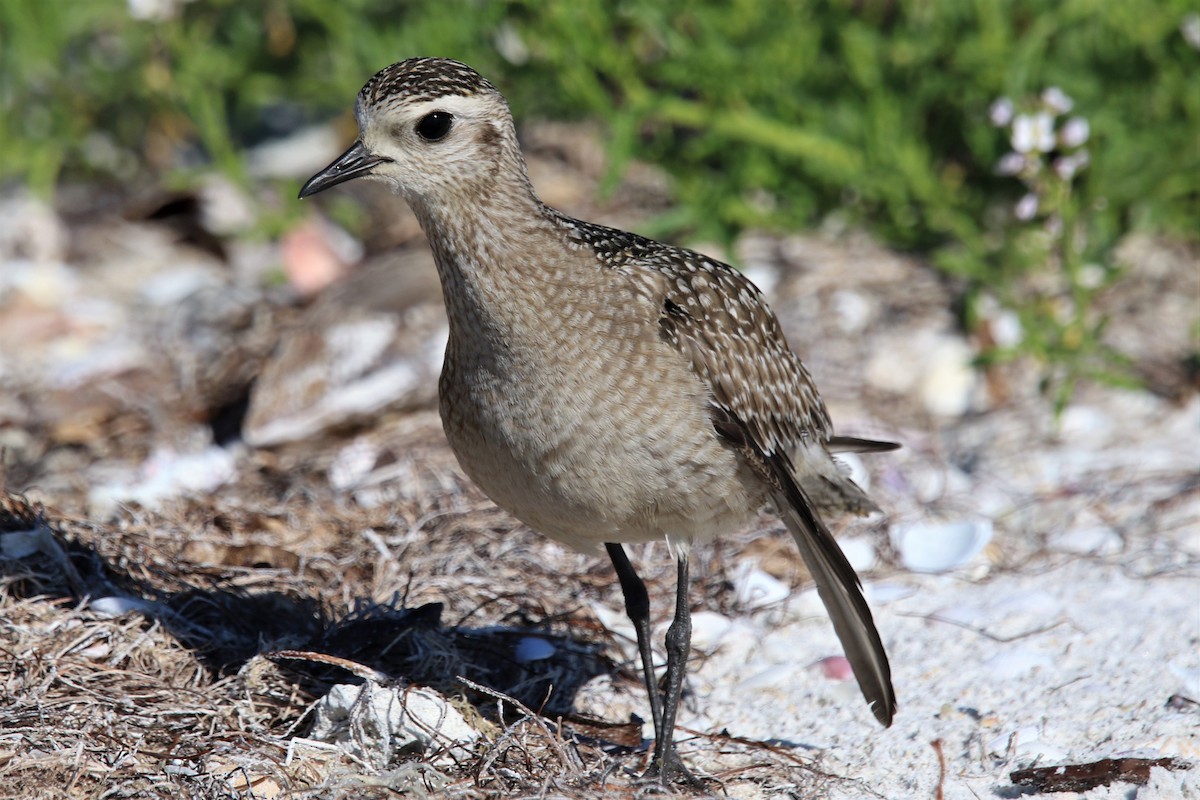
x=756, y=588
x=708, y=629
x=116, y=606
x=860, y=552
x=940, y=547
x=375, y=723
x=165, y=475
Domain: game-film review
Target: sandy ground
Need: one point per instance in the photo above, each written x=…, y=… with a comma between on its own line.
x=1066, y=666
x=211, y=458
x=1080, y=650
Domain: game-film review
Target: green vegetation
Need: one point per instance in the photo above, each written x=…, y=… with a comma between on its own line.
x=775, y=113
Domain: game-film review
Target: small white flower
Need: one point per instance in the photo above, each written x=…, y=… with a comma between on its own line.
x=1010, y=164
x=1026, y=207
x=1074, y=132
x=1022, y=134
x=1034, y=132
x=1190, y=28
x=1066, y=167
x=1056, y=100
x=1001, y=112
x=155, y=10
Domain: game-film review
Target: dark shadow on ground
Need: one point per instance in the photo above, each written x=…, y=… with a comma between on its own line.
x=225, y=625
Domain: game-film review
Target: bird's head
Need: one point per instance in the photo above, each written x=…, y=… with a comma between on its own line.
x=431, y=127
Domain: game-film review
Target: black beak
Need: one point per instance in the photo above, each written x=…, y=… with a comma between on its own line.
x=354, y=163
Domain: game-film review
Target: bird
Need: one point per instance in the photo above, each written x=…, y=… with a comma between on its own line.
x=605, y=388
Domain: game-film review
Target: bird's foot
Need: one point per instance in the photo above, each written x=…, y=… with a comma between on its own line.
x=672, y=771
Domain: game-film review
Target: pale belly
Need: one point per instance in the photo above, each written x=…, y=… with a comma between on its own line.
x=596, y=454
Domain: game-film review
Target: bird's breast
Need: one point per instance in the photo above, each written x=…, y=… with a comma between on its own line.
x=573, y=414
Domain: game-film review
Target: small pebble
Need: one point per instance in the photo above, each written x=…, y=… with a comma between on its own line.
x=853, y=310
x=533, y=648
x=950, y=378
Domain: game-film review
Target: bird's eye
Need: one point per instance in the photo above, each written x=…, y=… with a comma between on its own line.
x=434, y=125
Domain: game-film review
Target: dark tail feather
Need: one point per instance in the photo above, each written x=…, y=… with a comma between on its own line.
x=840, y=591
x=849, y=444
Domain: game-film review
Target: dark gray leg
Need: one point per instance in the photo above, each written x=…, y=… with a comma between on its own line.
x=665, y=765
x=637, y=606
x=679, y=642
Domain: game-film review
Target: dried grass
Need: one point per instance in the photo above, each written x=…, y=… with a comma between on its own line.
x=233, y=622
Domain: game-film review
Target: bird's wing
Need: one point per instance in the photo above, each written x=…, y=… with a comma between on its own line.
x=764, y=403
x=718, y=319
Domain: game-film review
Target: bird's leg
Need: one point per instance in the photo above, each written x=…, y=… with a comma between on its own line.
x=679, y=642
x=665, y=764
x=637, y=606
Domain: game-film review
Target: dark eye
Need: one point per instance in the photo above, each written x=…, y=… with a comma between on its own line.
x=434, y=125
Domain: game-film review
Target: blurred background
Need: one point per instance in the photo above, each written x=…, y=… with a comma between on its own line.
x=978, y=222
x=891, y=117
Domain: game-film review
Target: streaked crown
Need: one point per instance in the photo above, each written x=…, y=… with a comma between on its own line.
x=419, y=79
